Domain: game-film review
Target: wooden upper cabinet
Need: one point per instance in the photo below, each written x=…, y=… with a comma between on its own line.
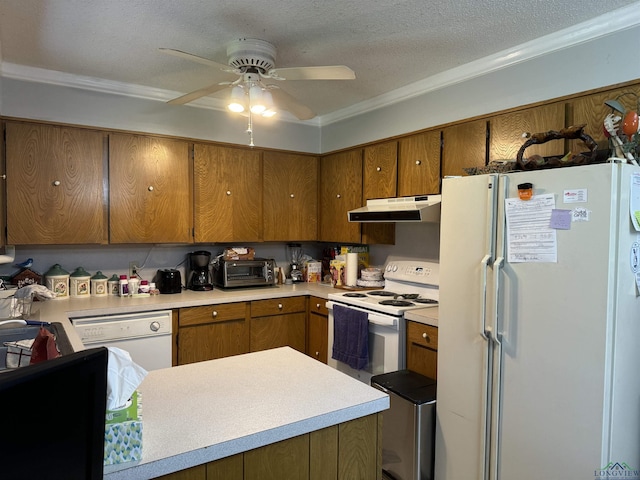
x=290, y=197
x=55, y=185
x=150, y=190
x=227, y=194
x=340, y=191
x=419, y=164
x=507, y=131
x=464, y=146
x=380, y=180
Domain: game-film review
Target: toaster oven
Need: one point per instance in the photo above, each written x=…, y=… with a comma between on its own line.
x=244, y=273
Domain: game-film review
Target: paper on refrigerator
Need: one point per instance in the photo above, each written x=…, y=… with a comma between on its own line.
x=530, y=237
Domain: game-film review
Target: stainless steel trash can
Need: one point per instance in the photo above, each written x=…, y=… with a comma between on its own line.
x=408, y=427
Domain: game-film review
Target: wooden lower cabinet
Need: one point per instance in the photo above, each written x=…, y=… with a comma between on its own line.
x=212, y=331
x=317, y=329
x=348, y=451
x=278, y=322
x=422, y=349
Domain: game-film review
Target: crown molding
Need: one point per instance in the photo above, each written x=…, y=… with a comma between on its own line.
x=607, y=24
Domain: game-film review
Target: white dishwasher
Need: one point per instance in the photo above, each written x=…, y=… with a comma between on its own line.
x=146, y=335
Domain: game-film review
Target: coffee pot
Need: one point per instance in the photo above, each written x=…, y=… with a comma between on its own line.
x=199, y=277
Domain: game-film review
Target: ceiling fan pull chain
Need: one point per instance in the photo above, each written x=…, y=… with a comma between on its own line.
x=250, y=129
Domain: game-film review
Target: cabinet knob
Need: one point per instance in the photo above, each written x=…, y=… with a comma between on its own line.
x=280, y=306
x=4, y=177
x=426, y=337
x=228, y=192
x=292, y=195
x=150, y=188
x=418, y=162
x=214, y=314
x=56, y=183
x=317, y=305
x=378, y=169
x=318, y=354
x=338, y=196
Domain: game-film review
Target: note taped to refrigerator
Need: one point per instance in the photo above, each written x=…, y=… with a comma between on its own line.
x=530, y=237
x=634, y=201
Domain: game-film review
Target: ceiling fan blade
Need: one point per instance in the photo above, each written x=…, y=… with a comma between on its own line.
x=196, y=58
x=286, y=102
x=203, y=92
x=333, y=72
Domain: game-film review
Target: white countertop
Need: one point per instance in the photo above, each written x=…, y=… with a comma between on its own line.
x=60, y=310
x=204, y=411
x=428, y=316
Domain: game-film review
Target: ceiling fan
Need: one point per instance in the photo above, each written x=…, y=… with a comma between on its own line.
x=253, y=62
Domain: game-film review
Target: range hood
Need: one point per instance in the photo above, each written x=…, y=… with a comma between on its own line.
x=425, y=208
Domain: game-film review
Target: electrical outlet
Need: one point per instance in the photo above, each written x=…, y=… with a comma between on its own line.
x=133, y=269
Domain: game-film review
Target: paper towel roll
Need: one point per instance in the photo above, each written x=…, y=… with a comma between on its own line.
x=352, y=269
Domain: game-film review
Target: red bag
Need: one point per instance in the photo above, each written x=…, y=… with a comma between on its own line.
x=44, y=347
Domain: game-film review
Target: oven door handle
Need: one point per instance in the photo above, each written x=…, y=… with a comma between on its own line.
x=383, y=320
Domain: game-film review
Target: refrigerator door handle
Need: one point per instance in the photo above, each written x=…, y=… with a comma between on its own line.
x=484, y=267
x=496, y=362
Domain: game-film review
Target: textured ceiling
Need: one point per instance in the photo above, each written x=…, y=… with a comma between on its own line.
x=389, y=44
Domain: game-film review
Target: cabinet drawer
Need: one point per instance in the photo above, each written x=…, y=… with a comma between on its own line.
x=318, y=305
x=212, y=313
x=423, y=335
x=277, y=306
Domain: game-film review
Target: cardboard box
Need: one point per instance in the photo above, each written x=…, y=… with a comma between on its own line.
x=336, y=267
x=361, y=250
x=314, y=272
x=123, y=432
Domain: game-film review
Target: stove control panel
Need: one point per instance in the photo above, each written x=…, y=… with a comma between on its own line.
x=413, y=271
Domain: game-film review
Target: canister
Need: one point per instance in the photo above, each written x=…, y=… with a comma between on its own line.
x=80, y=283
x=113, y=285
x=99, y=284
x=57, y=279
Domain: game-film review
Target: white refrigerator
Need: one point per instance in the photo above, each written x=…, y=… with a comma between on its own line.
x=539, y=331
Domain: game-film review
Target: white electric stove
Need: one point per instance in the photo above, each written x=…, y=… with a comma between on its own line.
x=409, y=284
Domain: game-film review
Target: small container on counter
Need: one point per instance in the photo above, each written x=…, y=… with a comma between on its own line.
x=134, y=284
x=80, y=283
x=123, y=286
x=113, y=285
x=144, y=286
x=99, y=285
x=57, y=280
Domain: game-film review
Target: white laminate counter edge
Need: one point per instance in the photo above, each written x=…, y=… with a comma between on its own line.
x=427, y=316
x=62, y=310
x=276, y=394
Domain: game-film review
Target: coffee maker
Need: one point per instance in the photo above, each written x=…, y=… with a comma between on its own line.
x=199, y=277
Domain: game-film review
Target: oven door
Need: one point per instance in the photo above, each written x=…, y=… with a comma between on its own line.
x=386, y=345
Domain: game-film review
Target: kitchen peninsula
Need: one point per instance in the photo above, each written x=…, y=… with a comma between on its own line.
x=272, y=411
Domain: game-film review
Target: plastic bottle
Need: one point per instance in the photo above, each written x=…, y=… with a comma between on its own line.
x=134, y=284
x=123, y=290
x=144, y=286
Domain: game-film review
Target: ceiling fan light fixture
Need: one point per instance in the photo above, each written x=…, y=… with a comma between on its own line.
x=237, y=100
x=256, y=100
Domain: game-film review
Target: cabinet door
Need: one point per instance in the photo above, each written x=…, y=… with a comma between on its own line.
x=55, y=185
x=419, y=164
x=228, y=194
x=464, y=146
x=317, y=329
x=212, y=331
x=508, y=131
x=150, y=190
x=340, y=191
x=380, y=179
x=422, y=349
x=290, y=197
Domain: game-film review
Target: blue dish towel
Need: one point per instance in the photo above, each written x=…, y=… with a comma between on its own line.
x=350, y=337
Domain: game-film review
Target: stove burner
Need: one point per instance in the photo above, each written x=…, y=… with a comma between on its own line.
x=354, y=295
x=396, y=303
x=426, y=300
x=382, y=293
